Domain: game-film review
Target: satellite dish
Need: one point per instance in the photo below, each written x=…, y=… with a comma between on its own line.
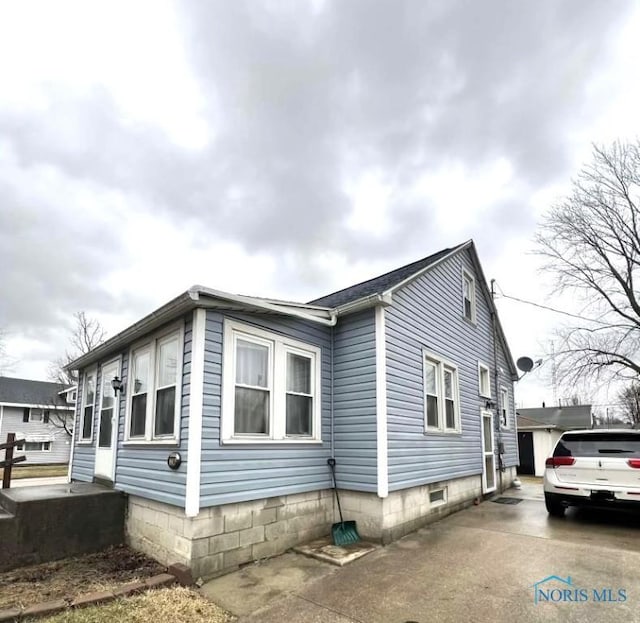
x=525, y=364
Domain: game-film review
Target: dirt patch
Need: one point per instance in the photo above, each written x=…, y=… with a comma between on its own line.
x=169, y=605
x=70, y=577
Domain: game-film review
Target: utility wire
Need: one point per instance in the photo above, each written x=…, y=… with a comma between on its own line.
x=552, y=309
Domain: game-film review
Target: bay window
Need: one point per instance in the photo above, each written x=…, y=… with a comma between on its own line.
x=271, y=387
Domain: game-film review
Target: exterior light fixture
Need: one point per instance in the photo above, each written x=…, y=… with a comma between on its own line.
x=117, y=384
x=174, y=460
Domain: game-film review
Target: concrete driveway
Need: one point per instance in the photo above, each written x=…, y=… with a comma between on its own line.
x=477, y=565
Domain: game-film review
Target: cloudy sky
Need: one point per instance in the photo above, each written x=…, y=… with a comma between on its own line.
x=288, y=149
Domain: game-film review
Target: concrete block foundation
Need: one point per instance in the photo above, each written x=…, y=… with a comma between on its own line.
x=222, y=537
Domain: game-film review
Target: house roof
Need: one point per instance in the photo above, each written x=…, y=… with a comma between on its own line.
x=324, y=310
x=563, y=418
x=379, y=284
x=526, y=422
x=28, y=392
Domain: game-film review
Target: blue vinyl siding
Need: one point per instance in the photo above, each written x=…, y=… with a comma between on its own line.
x=427, y=314
x=140, y=469
x=236, y=473
x=354, y=402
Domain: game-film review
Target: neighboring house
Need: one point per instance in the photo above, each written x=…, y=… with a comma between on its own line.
x=36, y=411
x=540, y=428
x=232, y=405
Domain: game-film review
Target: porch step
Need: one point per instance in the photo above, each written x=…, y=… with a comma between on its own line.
x=44, y=523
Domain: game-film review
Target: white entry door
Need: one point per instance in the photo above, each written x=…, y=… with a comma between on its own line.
x=107, y=424
x=488, y=454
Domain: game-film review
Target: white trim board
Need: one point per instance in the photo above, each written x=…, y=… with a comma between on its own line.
x=194, y=442
x=381, y=404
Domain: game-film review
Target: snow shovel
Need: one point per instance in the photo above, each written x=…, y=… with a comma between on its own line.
x=345, y=532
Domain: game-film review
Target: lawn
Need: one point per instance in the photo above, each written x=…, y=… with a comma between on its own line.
x=167, y=605
x=65, y=579
x=37, y=471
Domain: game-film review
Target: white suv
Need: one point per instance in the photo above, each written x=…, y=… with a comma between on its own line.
x=593, y=467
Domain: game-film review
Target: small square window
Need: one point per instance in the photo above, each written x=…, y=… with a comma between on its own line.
x=438, y=497
x=35, y=415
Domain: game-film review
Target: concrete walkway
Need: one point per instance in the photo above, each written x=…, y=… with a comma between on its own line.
x=477, y=565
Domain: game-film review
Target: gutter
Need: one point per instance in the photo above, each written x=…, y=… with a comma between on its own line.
x=385, y=299
x=164, y=314
x=249, y=301
x=196, y=296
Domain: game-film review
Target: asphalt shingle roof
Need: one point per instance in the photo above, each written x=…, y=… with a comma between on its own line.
x=25, y=391
x=379, y=284
x=566, y=418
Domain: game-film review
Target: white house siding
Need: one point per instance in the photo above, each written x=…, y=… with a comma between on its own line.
x=427, y=314
x=60, y=441
x=543, y=443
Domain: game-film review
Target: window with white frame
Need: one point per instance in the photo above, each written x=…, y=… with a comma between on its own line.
x=36, y=415
x=88, y=400
x=468, y=296
x=34, y=446
x=484, y=381
x=504, y=407
x=271, y=387
x=37, y=446
x=153, y=407
x=441, y=396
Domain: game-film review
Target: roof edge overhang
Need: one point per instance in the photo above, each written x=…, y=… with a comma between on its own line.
x=200, y=296
x=426, y=269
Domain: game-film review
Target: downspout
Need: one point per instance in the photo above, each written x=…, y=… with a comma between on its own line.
x=496, y=382
x=331, y=414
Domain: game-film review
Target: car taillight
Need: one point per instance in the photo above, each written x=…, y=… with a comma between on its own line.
x=557, y=461
x=635, y=463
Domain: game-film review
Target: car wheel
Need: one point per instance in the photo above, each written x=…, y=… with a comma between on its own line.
x=554, y=508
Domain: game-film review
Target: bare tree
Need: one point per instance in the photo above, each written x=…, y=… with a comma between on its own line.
x=85, y=336
x=629, y=399
x=7, y=363
x=591, y=243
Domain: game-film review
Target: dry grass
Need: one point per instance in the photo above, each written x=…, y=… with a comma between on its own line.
x=72, y=576
x=36, y=471
x=168, y=605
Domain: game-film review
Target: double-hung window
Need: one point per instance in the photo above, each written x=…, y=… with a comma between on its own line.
x=154, y=389
x=271, y=387
x=468, y=296
x=504, y=407
x=441, y=395
x=88, y=400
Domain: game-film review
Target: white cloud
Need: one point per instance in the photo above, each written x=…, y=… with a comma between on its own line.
x=132, y=50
